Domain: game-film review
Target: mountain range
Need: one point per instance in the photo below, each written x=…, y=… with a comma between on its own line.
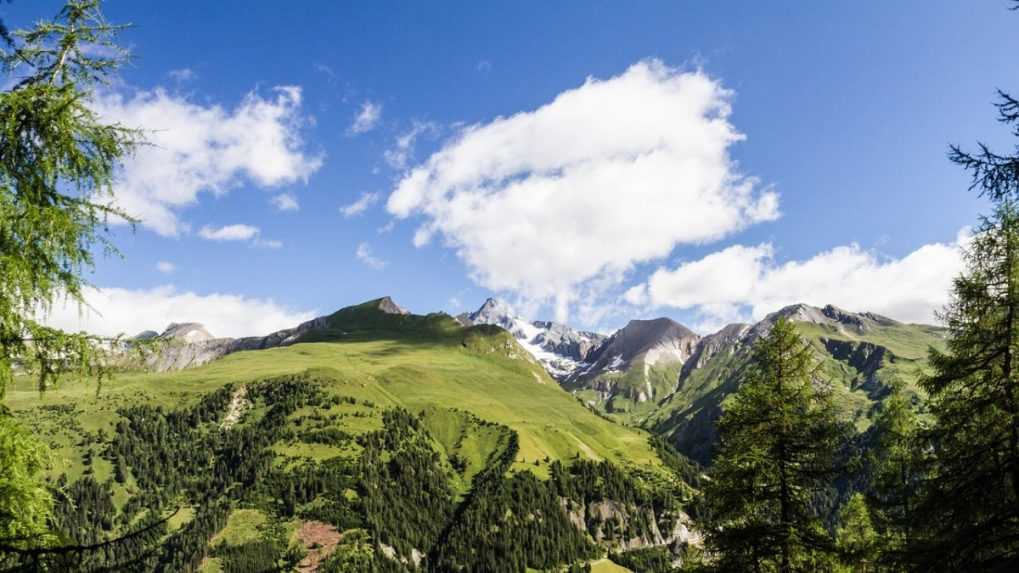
x=654, y=374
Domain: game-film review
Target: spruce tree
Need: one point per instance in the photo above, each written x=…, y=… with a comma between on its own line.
x=779, y=436
x=856, y=537
x=896, y=466
x=970, y=504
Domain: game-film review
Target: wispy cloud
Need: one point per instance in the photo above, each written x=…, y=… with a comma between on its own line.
x=367, y=118
x=166, y=267
x=402, y=150
x=365, y=255
x=182, y=75
x=237, y=232
x=286, y=202
x=268, y=243
x=360, y=206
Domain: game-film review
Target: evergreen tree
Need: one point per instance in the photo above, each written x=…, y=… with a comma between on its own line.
x=778, y=440
x=970, y=503
x=57, y=162
x=856, y=537
x=896, y=472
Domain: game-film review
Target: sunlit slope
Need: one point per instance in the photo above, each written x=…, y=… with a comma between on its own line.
x=418, y=362
x=862, y=364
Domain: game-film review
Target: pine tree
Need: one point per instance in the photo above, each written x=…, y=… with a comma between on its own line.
x=779, y=436
x=857, y=539
x=896, y=472
x=970, y=504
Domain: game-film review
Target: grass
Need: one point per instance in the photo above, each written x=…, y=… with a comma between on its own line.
x=479, y=370
x=607, y=566
x=242, y=526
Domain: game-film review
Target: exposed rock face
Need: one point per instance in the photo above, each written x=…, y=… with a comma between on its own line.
x=387, y=306
x=607, y=522
x=563, y=340
x=177, y=354
x=186, y=332
x=660, y=339
x=644, y=344
x=729, y=339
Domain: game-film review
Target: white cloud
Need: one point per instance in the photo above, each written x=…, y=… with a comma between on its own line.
x=746, y=283
x=166, y=267
x=196, y=148
x=286, y=202
x=367, y=118
x=364, y=254
x=360, y=206
x=268, y=243
x=125, y=311
x=402, y=151
x=610, y=174
x=238, y=232
x=182, y=75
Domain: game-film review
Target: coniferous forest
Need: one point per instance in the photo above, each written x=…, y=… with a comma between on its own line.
x=375, y=440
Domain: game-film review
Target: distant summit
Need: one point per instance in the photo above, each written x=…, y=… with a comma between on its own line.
x=559, y=348
x=388, y=306
x=830, y=316
x=187, y=332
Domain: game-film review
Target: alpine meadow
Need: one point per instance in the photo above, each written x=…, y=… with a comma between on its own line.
x=518, y=287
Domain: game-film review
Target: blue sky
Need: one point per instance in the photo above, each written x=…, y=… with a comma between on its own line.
x=846, y=114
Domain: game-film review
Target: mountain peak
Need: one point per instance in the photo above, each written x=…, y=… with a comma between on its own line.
x=387, y=305
x=187, y=332
x=493, y=307
x=832, y=316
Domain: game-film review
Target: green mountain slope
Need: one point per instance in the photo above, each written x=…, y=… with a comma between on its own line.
x=860, y=353
x=383, y=429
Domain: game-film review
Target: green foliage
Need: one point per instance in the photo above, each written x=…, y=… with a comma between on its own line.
x=652, y=560
x=779, y=438
x=56, y=171
x=57, y=162
x=24, y=501
x=895, y=472
x=969, y=509
x=856, y=538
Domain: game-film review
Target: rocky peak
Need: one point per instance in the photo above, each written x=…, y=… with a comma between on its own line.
x=728, y=339
x=860, y=320
x=388, y=305
x=189, y=332
x=561, y=339
x=639, y=336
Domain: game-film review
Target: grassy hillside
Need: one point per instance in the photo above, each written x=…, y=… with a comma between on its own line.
x=244, y=449
x=484, y=373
